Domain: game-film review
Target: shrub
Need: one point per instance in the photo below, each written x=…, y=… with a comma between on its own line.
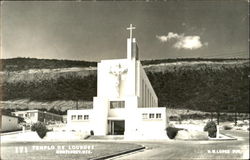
x=174, y=118
x=172, y=132
x=230, y=118
x=91, y=132
x=196, y=116
x=34, y=127
x=40, y=129
x=226, y=127
x=210, y=127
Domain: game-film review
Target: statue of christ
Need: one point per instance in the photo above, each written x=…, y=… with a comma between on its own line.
x=118, y=71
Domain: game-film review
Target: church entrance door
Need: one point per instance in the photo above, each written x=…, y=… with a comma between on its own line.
x=116, y=127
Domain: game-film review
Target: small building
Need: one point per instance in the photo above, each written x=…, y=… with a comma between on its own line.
x=126, y=103
x=33, y=116
x=9, y=123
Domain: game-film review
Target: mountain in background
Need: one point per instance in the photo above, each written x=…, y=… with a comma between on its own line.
x=201, y=84
x=20, y=64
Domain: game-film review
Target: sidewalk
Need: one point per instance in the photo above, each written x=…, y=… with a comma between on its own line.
x=9, y=133
x=55, y=136
x=30, y=136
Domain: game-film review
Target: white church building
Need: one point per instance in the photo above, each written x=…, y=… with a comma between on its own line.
x=126, y=103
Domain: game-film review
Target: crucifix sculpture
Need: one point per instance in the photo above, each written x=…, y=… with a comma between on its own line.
x=117, y=71
x=130, y=28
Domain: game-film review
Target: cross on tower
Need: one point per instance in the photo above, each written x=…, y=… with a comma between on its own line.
x=131, y=30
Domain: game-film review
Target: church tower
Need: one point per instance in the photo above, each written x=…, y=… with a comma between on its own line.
x=125, y=101
x=132, y=48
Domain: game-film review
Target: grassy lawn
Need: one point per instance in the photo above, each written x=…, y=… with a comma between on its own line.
x=49, y=151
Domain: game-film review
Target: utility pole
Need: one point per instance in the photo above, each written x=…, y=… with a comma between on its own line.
x=235, y=118
x=218, y=117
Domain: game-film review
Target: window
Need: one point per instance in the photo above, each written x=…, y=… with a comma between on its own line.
x=79, y=117
x=151, y=115
x=117, y=104
x=158, y=115
x=144, y=116
x=86, y=117
x=73, y=117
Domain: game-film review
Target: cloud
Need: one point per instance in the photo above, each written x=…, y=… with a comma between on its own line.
x=170, y=35
x=188, y=42
x=162, y=38
x=182, y=41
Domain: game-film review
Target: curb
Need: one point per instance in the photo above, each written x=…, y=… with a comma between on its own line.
x=230, y=138
x=11, y=133
x=118, y=154
x=68, y=140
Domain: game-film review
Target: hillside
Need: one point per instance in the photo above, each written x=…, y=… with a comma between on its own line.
x=203, y=84
x=205, y=88
x=21, y=64
x=32, y=70
x=37, y=75
x=62, y=105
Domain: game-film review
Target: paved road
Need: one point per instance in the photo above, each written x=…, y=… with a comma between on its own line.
x=170, y=149
x=177, y=149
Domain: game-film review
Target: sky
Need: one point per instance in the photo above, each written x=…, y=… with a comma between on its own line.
x=97, y=30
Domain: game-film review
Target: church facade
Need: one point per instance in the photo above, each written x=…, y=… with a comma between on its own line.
x=126, y=103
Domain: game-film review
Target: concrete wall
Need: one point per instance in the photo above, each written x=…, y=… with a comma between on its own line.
x=97, y=118
x=79, y=123
x=146, y=126
x=100, y=109
x=9, y=123
x=118, y=113
x=131, y=119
